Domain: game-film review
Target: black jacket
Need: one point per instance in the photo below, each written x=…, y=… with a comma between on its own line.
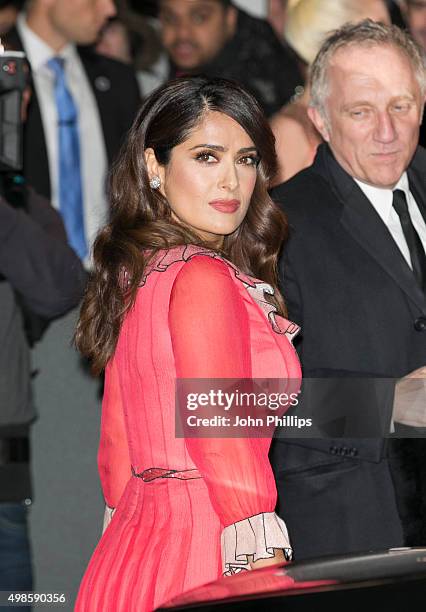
x=41, y=273
x=117, y=95
x=344, y=278
x=257, y=59
x=362, y=314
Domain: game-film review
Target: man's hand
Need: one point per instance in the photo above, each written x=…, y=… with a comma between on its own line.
x=409, y=406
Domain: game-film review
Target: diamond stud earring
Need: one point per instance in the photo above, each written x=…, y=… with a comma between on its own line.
x=155, y=182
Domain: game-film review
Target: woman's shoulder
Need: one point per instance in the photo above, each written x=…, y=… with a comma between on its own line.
x=216, y=283
x=204, y=289
x=207, y=271
x=195, y=266
x=195, y=260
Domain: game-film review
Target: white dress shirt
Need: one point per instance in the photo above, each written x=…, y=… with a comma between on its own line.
x=92, y=145
x=382, y=199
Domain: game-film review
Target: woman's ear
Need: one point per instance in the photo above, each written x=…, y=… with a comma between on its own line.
x=155, y=170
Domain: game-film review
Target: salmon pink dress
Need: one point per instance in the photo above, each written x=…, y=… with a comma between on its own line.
x=195, y=316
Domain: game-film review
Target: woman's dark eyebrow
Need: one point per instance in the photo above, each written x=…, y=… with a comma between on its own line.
x=221, y=149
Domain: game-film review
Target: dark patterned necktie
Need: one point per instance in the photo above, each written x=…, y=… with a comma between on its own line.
x=415, y=246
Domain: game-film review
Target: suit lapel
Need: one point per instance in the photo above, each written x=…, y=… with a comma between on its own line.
x=102, y=89
x=36, y=162
x=417, y=180
x=363, y=223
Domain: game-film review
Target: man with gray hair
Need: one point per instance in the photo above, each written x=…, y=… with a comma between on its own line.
x=354, y=278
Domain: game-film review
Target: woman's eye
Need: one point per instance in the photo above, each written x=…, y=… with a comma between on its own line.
x=206, y=157
x=249, y=160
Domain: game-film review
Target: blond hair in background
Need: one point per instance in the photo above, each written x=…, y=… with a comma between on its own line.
x=309, y=21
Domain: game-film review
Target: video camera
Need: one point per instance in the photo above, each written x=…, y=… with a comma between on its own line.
x=14, y=79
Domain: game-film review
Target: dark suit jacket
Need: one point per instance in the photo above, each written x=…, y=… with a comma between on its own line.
x=362, y=314
x=116, y=93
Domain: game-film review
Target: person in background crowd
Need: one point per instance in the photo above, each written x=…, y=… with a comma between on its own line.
x=308, y=23
x=354, y=276
x=395, y=12
x=414, y=12
x=114, y=41
x=9, y=10
x=215, y=38
x=81, y=108
x=40, y=276
x=64, y=160
x=132, y=36
x=277, y=15
x=39, y=273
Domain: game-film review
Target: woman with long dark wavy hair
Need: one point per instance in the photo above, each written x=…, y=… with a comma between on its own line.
x=185, y=288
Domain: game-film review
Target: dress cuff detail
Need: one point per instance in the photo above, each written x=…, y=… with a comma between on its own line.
x=108, y=514
x=254, y=537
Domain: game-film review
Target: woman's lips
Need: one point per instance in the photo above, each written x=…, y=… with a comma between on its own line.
x=225, y=206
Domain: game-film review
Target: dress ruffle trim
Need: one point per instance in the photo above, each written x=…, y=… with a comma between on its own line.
x=255, y=287
x=108, y=514
x=254, y=537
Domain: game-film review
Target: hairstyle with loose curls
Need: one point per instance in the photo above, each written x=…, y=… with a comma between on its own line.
x=141, y=223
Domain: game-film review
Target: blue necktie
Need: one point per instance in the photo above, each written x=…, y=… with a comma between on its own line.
x=70, y=188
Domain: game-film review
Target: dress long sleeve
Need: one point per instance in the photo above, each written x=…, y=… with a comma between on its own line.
x=113, y=454
x=210, y=334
